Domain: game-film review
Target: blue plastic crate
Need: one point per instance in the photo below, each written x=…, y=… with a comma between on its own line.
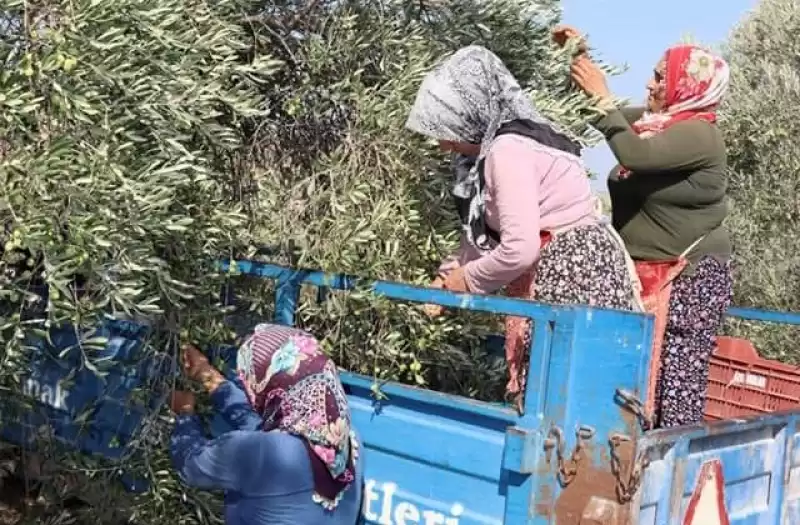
x=79, y=409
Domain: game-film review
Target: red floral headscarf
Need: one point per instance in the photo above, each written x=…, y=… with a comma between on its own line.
x=695, y=81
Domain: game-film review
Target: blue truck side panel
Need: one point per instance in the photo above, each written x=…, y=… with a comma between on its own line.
x=438, y=459
x=759, y=457
x=488, y=463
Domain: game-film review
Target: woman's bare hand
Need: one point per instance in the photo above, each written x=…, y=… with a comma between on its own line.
x=196, y=366
x=456, y=281
x=564, y=33
x=590, y=78
x=182, y=402
x=195, y=363
x=434, y=310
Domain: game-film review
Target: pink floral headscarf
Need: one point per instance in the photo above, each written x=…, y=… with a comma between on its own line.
x=296, y=388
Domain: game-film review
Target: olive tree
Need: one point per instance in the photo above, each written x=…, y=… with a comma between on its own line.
x=122, y=126
x=344, y=187
x=761, y=119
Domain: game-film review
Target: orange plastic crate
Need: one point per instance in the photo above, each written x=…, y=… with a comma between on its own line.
x=742, y=383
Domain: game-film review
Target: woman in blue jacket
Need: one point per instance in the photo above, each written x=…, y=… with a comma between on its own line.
x=293, y=456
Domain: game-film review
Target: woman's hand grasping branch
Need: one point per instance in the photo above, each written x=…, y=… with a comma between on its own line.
x=197, y=367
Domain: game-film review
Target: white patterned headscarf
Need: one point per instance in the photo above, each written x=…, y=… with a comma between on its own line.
x=467, y=98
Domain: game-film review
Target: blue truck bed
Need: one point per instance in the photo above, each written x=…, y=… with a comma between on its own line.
x=579, y=455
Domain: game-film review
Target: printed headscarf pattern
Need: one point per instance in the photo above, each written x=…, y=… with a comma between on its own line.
x=695, y=81
x=296, y=388
x=467, y=98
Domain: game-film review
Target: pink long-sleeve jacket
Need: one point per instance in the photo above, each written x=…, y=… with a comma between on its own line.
x=529, y=188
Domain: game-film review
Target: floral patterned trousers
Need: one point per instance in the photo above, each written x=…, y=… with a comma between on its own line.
x=584, y=265
x=697, y=305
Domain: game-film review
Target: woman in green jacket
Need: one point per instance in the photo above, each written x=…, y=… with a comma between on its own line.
x=668, y=197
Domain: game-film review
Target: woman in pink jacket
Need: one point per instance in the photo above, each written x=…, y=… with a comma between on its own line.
x=529, y=220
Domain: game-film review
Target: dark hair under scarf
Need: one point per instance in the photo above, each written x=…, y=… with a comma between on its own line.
x=472, y=97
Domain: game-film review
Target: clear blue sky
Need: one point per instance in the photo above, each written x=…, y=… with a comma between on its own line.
x=636, y=33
